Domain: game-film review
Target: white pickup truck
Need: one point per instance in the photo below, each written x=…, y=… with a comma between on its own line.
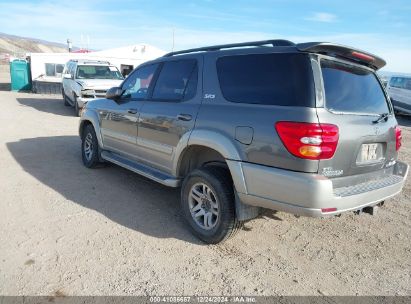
x=86, y=80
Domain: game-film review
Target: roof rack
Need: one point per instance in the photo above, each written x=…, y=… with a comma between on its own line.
x=89, y=61
x=274, y=43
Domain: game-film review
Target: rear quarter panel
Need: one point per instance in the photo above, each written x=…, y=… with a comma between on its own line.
x=266, y=148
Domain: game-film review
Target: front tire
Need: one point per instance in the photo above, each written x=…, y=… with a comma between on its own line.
x=76, y=107
x=65, y=98
x=89, y=147
x=207, y=200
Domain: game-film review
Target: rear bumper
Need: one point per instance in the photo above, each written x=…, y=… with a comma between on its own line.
x=306, y=194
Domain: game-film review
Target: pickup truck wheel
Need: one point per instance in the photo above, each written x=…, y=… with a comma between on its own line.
x=89, y=147
x=207, y=199
x=76, y=107
x=65, y=98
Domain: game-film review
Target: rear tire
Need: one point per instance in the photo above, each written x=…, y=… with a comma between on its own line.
x=207, y=200
x=89, y=147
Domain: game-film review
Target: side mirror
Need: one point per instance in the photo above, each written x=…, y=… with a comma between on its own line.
x=114, y=93
x=67, y=76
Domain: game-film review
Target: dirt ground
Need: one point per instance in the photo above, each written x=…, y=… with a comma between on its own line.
x=68, y=230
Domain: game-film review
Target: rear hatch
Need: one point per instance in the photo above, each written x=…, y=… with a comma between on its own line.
x=355, y=101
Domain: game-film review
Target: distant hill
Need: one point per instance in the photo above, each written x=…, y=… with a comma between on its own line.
x=18, y=46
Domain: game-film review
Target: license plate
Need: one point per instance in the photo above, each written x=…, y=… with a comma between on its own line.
x=369, y=152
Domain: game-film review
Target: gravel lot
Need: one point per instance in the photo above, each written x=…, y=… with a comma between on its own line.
x=68, y=230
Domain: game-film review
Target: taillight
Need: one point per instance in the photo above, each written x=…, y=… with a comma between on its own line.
x=362, y=56
x=308, y=140
x=398, y=138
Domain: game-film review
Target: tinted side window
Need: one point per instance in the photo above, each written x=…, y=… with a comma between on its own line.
x=393, y=81
x=136, y=85
x=271, y=79
x=399, y=82
x=352, y=89
x=191, y=88
x=172, y=83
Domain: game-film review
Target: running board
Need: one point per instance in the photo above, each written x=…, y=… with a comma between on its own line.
x=141, y=169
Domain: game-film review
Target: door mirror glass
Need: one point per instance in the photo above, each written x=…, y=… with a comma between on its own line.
x=114, y=93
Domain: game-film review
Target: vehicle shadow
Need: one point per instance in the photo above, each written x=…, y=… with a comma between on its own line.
x=120, y=195
x=404, y=120
x=49, y=105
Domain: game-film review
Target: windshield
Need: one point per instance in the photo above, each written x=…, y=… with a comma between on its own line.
x=352, y=89
x=98, y=72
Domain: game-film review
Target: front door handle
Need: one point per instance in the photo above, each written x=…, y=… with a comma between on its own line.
x=184, y=117
x=132, y=111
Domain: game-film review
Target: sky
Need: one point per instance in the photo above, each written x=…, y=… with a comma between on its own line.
x=382, y=27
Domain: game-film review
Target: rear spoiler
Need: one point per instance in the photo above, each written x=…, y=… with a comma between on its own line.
x=343, y=51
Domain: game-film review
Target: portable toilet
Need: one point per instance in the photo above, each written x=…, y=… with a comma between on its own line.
x=20, y=75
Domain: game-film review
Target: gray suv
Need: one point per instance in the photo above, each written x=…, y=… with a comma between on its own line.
x=302, y=128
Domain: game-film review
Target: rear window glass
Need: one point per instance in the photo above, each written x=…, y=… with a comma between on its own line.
x=352, y=89
x=270, y=79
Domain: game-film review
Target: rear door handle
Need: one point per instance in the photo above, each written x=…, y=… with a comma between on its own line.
x=132, y=111
x=184, y=117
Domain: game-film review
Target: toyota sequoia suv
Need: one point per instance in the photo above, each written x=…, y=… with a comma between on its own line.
x=84, y=80
x=302, y=128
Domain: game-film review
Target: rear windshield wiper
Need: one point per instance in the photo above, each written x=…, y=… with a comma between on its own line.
x=382, y=117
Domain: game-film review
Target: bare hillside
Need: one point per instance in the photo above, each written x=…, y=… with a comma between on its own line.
x=15, y=45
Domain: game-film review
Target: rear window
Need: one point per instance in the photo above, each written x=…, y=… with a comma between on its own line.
x=270, y=79
x=352, y=89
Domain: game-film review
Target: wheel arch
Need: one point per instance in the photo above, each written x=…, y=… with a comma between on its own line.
x=91, y=117
x=197, y=154
x=203, y=147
